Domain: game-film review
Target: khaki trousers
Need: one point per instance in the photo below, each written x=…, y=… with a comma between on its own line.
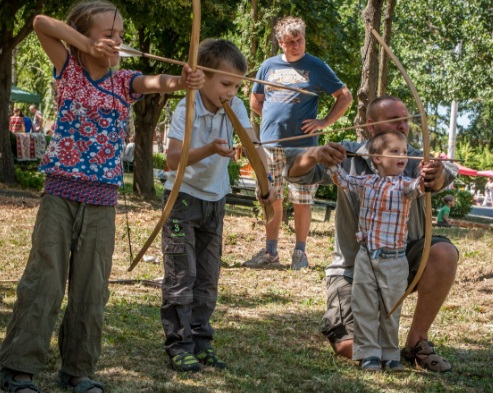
x=374, y=334
x=74, y=241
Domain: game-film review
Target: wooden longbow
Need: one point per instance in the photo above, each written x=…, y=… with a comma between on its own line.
x=254, y=158
x=426, y=157
x=190, y=113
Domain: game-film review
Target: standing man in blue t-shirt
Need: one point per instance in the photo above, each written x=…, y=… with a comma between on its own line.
x=286, y=113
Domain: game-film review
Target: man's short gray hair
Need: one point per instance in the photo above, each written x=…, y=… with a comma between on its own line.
x=289, y=25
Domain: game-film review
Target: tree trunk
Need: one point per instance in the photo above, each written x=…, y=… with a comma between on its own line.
x=8, y=42
x=384, y=57
x=147, y=113
x=252, y=59
x=369, y=71
x=253, y=35
x=7, y=170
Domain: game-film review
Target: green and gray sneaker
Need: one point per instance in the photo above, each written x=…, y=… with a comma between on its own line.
x=208, y=357
x=185, y=362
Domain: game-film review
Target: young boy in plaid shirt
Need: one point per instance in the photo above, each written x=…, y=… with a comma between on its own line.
x=381, y=267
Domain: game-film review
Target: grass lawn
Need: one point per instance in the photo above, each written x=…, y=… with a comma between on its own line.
x=267, y=321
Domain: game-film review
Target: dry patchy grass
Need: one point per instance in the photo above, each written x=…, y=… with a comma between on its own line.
x=267, y=321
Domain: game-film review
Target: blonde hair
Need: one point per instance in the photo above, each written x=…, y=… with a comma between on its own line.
x=377, y=143
x=289, y=26
x=80, y=17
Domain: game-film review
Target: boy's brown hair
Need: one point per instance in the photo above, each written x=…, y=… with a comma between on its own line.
x=220, y=54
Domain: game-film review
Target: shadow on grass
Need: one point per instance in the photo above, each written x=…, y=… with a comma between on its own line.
x=276, y=353
x=266, y=351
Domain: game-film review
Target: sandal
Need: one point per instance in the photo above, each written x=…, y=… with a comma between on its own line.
x=81, y=387
x=423, y=354
x=9, y=383
x=208, y=357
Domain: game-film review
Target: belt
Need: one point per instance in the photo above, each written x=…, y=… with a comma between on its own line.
x=384, y=253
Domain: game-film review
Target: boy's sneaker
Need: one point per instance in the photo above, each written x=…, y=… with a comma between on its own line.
x=370, y=364
x=299, y=260
x=393, y=366
x=184, y=362
x=262, y=259
x=208, y=357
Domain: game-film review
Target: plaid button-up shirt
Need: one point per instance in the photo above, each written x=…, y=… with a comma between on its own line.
x=385, y=203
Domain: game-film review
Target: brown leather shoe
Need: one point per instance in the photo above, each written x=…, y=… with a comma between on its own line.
x=423, y=354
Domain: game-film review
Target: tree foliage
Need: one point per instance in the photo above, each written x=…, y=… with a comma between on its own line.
x=425, y=37
x=17, y=18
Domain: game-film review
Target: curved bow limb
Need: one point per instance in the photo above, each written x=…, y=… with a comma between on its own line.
x=254, y=158
x=426, y=157
x=190, y=112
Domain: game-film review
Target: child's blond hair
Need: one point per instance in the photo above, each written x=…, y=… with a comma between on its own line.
x=80, y=17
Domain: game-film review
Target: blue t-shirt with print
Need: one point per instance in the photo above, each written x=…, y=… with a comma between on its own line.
x=284, y=110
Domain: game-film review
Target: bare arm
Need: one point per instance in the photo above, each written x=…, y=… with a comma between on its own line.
x=446, y=219
x=146, y=84
x=343, y=99
x=257, y=103
x=51, y=32
x=40, y=120
x=329, y=155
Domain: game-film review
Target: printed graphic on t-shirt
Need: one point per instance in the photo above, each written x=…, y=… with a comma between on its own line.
x=286, y=76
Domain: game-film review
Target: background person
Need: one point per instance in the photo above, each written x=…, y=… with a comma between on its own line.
x=488, y=193
x=285, y=113
x=443, y=216
x=128, y=154
x=37, y=119
x=28, y=124
x=16, y=123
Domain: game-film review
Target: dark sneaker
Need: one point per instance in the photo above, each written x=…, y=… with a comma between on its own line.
x=393, y=366
x=208, y=357
x=371, y=364
x=262, y=259
x=299, y=260
x=185, y=362
x=423, y=354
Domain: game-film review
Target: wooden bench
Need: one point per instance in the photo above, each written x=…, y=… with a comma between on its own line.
x=246, y=197
x=328, y=205
x=239, y=197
